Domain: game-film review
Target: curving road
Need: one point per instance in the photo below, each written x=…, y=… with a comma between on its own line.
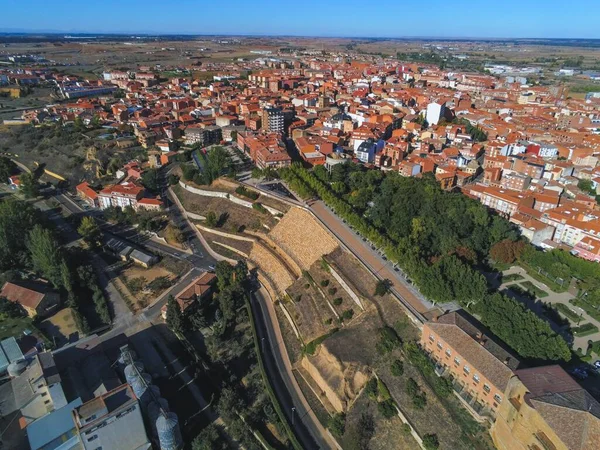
x=301, y=418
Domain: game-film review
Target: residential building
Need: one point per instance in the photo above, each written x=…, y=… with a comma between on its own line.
x=35, y=297
x=435, y=112
x=112, y=421
x=87, y=194
x=196, y=291
x=120, y=195
x=203, y=136
x=273, y=120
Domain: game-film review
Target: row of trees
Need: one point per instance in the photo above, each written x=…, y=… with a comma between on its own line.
x=439, y=239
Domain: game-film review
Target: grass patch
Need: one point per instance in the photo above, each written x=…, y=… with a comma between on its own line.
x=585, y=330
x=533, y=289
x=543, y=279
x=511, y=277
x=15, y=326
x=567, y=312
x=593, y=312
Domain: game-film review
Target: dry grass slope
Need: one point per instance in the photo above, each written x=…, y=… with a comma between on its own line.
x=302, y=237
x=271, y=266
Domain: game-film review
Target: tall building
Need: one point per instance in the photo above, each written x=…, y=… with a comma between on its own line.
x=112, y=421
x=273, y=120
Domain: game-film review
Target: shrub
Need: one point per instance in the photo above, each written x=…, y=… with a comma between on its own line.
x=412, y=387
x=388, y=340
x=241, y=190
x=397, y=368
x=420, y=401
x=406, y=429
x=332, y=290
x=338, y=301
x=430, y=442
x=387, y=409
x=371, y=388
x=383, y=391
x=259, y=207
x=337, y=424
x=306, y=286
x=324, y=283
x=348, y=314
x=298, y=298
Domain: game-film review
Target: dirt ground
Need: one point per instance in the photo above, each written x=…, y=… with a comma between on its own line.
x=388, y=432
x=61, y=327
x=134, y=271
x=311, y=314
x=319, y=274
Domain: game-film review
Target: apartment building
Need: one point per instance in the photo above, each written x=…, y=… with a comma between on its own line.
x=273, y=120
x=203, y=135
x=120, y=195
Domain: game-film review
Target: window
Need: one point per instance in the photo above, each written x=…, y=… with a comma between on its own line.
x=497, y=398
x=476, y=378
x=439, y=345
x=467, y=369
x=94, y=437
x=448, y=353
x=457, y=360
x=431, y=338
x=46, y=402
x=486, y=388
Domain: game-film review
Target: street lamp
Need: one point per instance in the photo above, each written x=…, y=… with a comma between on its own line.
x=262, y=341
x=293, y=414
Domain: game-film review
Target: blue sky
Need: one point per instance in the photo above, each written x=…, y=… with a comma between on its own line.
x=379, y=18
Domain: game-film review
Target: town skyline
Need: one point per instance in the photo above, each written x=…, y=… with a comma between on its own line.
x=335, y=19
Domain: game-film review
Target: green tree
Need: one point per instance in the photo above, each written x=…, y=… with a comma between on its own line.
x=17, y=218
x=7, y=169
x=211, y=219
x=150, y=180
x=382, y=287
x=10, y=310
x=90, y=231
x=175, y=320
x=29, y=185
x=586, y=186
x=45, y=254
x=362, y=433
x=209, y=439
